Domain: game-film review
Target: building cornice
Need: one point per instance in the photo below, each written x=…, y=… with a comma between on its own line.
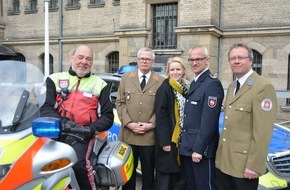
x=124, y=33
x=66, y=40
x=199, y=29
x=266, y=31
x=238, y=32
x=132, y=32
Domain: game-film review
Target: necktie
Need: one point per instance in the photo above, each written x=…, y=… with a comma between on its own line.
x=143, y=83
x=237, y=87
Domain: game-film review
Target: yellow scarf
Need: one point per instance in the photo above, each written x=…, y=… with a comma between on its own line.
x=180, y=90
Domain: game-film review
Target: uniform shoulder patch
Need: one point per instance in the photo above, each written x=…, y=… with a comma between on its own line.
x=212, y=101
x=267, y=104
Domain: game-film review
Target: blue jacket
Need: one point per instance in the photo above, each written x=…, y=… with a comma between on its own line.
x=201, y=116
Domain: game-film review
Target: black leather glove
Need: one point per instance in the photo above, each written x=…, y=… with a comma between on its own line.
x=76, y=133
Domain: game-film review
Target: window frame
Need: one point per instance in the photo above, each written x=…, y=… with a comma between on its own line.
x=95, y=3
x=113, y=62
x=72, y=5
x=53, y=5
x=257, y=62
x=165, y=19
x=14, y=9
x=31, y=7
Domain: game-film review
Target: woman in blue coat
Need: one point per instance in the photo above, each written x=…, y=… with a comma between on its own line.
x=169, y=104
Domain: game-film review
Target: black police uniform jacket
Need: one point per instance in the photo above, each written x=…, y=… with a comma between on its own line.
x=203, y=103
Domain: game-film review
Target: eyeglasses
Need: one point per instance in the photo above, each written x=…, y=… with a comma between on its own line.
x=197, y=60
x=237, y=58
x=145, y=59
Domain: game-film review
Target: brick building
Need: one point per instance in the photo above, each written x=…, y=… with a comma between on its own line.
x=116, y=29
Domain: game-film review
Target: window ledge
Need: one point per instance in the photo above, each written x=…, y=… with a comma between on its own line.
x=175, y=51
x=53, y=9
x=69, y=7
x=285, y=108
x=116, y=3
x=96, y=5
x=30, y=11
x=9, y=12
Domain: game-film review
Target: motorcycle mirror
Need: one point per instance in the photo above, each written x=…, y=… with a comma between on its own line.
x=48, y=127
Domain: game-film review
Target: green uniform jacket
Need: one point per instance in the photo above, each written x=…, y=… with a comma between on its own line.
x=248, y=127
x=136, y=105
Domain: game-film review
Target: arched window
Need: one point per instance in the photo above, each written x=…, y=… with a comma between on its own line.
x=113, y=62
x=257, y=62
x=50, y=63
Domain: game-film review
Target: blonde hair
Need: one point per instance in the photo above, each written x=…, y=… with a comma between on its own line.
x=172, y=60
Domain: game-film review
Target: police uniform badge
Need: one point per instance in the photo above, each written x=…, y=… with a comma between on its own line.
x=212, y=101
x=266, y=104
x=63, y=83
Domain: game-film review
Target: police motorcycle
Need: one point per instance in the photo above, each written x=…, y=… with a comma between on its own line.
x=29, y=157
x=25, y=161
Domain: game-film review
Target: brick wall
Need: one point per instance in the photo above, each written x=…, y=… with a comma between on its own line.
x=258, y=13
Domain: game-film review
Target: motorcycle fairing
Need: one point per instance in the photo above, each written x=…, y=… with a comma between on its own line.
x=13, y=145
x=22, y=165
x=49, y=152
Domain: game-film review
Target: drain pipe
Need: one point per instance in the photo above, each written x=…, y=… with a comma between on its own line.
x=60, y=49
x=220, y=42
x=46, y=39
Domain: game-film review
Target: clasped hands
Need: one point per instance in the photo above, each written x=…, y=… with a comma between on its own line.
x=140, y=127
x=250, y=174
x=196, y=157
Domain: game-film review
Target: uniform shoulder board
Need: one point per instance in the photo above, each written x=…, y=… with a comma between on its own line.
x=212, y=76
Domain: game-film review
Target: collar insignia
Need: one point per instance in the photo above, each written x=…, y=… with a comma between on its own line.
x=250, y=81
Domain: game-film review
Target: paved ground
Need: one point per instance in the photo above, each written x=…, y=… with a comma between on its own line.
x=285, y=123
x=138, y=185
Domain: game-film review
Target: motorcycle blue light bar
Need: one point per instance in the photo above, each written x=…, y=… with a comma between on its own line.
x=48, y=127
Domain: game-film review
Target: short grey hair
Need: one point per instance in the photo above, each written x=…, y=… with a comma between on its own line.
x=146, y=49
x=205, y=51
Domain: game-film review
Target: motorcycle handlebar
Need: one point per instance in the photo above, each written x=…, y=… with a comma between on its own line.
x=82, y=130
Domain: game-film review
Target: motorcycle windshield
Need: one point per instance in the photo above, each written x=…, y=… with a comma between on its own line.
x=21, y=93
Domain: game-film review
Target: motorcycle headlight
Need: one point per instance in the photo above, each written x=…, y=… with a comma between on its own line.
x=55, y=165
x=4, y=170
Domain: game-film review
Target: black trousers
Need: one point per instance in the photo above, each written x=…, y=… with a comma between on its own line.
x=199, y=176
x=169, y=181
x=227, y=182
x=146, y=156
x=81, y=168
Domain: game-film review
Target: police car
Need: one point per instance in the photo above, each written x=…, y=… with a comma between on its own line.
x=277, y=161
